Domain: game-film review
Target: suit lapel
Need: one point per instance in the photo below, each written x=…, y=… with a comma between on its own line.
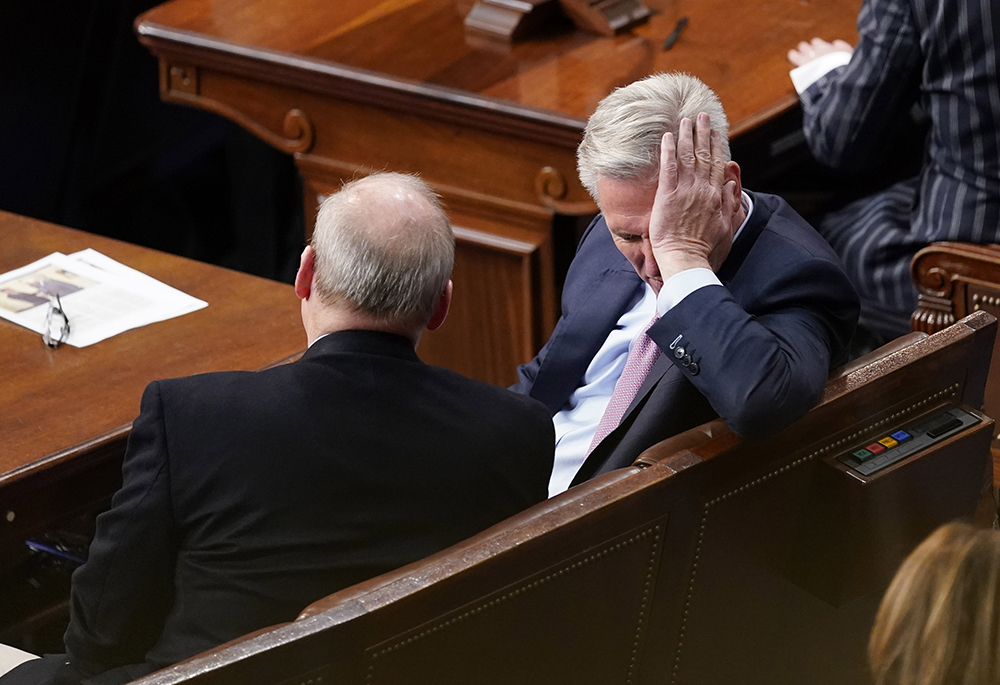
x=578, y=339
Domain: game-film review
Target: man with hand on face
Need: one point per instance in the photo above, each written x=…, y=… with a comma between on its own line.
x=247, y=496
x=689, y=297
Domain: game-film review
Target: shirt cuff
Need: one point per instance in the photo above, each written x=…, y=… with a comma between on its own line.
x=813, y=70
x=682, y=284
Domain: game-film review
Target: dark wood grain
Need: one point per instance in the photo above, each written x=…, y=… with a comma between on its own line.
x=68, y=411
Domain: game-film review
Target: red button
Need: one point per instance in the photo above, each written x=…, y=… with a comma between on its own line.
x=875, y=448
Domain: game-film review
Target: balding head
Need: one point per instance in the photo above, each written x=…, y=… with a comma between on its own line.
x=384, y=249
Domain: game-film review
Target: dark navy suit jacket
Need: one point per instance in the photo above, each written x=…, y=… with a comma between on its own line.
x=755, y=351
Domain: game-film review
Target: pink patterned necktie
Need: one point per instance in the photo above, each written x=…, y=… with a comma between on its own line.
x=640, y=362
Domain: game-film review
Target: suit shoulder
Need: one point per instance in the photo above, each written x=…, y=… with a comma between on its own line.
x=214, y=387
x=794, y=232
x=489, y=397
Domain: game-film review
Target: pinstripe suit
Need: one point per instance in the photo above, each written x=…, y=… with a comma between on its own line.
x=943, y=54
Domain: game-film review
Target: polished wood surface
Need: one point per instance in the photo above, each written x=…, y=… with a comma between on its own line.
x=715, y=561
x=67, y=412
x=353, y=86
x=953, y=280
x=738, y=49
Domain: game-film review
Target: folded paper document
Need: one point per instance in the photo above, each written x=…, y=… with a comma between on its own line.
x=99, y=296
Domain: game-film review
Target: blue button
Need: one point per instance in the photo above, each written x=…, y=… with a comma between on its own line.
x=902, y=436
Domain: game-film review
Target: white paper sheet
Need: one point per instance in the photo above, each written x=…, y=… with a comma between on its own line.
x=101, y=297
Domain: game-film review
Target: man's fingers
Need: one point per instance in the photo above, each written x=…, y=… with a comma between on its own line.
x=685, y=147
x=703, y=147
x=718, y=175
x=668, y=163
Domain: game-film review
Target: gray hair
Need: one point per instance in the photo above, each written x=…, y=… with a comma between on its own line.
x=622, y=139
x=385, y=248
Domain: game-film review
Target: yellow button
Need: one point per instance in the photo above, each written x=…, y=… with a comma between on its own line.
x=888, y=442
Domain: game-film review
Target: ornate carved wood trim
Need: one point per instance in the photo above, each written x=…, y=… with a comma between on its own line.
x=932, y=314
x=181, y=83
x=551, y=186
x=942, y=273
x=358, y=85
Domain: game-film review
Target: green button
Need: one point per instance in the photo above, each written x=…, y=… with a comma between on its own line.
x=863, y=454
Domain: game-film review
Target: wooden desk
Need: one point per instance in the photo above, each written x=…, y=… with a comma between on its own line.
x=355, y=85
x=65, y=414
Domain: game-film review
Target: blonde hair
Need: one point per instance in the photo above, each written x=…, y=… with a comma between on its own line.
x=622, y=138
x=939, y=622
x=385, y=247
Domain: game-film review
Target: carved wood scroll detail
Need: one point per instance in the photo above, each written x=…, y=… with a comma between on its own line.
x=552, y=187
x=180, y=83
x=935, y=287
x=299, y=131
x=551, y=184
x=936, y=281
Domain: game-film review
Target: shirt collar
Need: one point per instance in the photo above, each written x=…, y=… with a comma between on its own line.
x=747, y=204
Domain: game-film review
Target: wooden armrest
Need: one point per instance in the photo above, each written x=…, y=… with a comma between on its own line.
x=876, y=354
x=693, y=437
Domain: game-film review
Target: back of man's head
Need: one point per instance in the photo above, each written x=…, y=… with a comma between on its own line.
x=622, y=139
x=384, y=248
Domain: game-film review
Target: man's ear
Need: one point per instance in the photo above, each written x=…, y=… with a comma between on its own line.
x=732, y=173
x=441, y=309
x=304, y=277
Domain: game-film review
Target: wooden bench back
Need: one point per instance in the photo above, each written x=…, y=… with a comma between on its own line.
x=686, y=568
x=793, y=549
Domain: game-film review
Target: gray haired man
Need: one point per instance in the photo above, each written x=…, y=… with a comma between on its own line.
x=247, y=496
x=689, y=297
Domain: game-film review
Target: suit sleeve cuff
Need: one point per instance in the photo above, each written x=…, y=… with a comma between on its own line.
x=682, y=284
x=812, y=71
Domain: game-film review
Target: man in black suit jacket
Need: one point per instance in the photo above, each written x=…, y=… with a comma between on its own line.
x=943, y=56
x=753, y=305
x=247, y=496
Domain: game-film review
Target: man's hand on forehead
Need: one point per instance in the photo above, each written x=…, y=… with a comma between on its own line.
x=691, y=223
